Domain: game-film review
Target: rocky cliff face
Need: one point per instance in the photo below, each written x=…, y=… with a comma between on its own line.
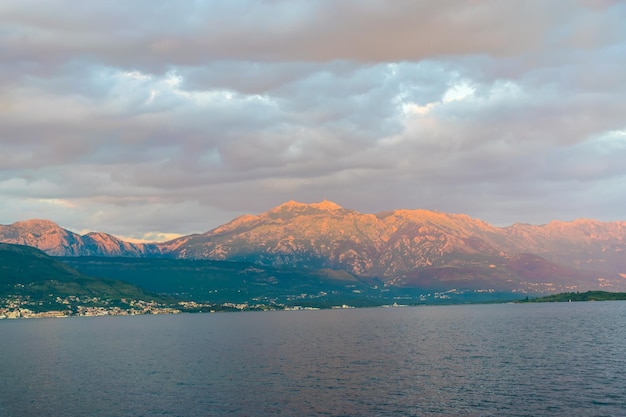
x=401, y=247
x=411, y=247
x=582, y=243
x=54, y=240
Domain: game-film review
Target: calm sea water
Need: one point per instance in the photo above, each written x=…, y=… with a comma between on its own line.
x=483, y=360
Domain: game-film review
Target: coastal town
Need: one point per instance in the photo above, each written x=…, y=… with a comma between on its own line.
x=22, y=307
x=19, y=307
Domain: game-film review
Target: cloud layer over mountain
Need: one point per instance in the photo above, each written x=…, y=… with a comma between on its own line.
x=151, y=117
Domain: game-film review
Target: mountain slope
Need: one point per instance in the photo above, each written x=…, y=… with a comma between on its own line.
x=401, y=247
x=580, y=243
x=407, y=247
x=325, y=234
x=28, y=273
x=224, y=281
x=23, y=264
x=54, y=240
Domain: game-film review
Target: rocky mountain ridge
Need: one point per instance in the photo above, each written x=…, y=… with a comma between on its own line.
x=414, y=248
x=421, y=248
x=57, y=241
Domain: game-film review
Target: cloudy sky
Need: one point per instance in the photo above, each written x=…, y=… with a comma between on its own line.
x=151, y=118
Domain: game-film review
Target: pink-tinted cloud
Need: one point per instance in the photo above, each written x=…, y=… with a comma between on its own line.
x=151, y=117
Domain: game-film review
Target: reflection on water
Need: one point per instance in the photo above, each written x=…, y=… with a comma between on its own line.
x=488, y=360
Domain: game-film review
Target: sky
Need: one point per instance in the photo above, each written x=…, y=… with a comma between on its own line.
x=149, y=119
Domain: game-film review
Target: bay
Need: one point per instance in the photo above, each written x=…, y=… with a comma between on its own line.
x=479, y=360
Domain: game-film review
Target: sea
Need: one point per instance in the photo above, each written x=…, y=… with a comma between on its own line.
x=554, y=359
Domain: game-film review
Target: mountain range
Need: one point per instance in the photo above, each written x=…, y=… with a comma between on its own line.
x=401, y=248
x=52, y=239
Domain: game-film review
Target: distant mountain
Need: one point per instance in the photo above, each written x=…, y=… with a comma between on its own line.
x=54, y=240
x=582, y=243
x=420, y=248
x=403, y=248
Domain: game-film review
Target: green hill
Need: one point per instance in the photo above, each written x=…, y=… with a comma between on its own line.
x=31, y=279
x=233, y=282
x=579, y=296
x=221, y=282
x=24, y=264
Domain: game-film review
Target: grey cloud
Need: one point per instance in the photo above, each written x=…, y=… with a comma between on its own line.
x=246, y=77
x=163, y=117
x=154, y=36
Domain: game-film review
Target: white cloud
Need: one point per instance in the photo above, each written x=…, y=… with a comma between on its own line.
x=458, y=92
x=152, y=117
